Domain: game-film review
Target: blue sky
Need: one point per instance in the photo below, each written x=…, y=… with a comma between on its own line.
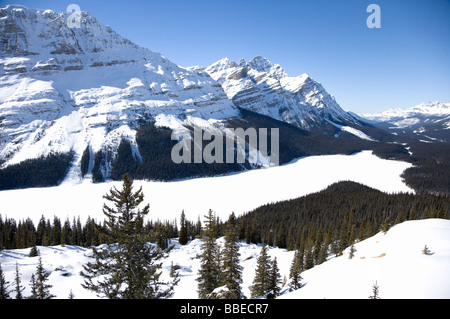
x=402, y=64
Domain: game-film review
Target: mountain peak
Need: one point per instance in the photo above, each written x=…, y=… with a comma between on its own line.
x=264, y=87
x=31, y=32
x=262, y=64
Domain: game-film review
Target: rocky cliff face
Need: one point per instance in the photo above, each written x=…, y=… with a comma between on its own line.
x=66, y=88
x=263, y=87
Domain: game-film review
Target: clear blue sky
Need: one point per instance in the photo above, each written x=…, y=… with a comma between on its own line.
x=404, y=63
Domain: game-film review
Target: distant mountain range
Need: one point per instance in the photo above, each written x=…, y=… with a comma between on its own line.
x=427, y=121
x=87, y=103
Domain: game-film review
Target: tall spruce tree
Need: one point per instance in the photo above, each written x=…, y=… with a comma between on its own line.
x=231, y=268
x=295, y=271
x=18, y=281
x=183, y=230
x=209, y=273
x=273, y=289
x=39, y=287
x=260, y=285
x=128, y=267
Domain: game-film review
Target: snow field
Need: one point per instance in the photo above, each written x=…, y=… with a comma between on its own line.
x=393, y=260
x=402, y=273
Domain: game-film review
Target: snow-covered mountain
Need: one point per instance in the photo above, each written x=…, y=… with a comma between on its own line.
x=264, y=87
x=65, y=88
x=429, y=121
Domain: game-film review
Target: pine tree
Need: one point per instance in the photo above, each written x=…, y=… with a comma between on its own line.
x=183, y=230
x=209, y=272
x=40, y=289
x=426, y=250
x=34, y=252
x=128, y=267
x=295, y=271
x=282, y=241
x=4, y=285
x=309, y=259
x=33, y=286
x=260, y=285
x=385, y=225
x=231, y=268
x=19, y=287
x=375, y=291
x=352, y=243
x=273, y=289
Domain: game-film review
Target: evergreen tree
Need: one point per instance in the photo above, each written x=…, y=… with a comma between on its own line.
x=4, y=285
x=33, y=286
x=309, y=259
x=351, y=242
x=260, y=286
x=183, y=230
x=85, y=159
x=282, y=241
x=375, y=291
x=274, y=281
x=127, y=268
x=40, y=289
x=19, y=287
x=385, y=225
x=231, y=268
x=65, y=234
x=295, y=271
x=34, y=252
x=209, y=272
x=426, y=250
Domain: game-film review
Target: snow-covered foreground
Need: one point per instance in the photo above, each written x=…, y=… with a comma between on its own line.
x=238, y=193
x=393, y=260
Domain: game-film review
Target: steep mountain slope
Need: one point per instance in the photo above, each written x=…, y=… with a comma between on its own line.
x=263, y=87
x=67, y=89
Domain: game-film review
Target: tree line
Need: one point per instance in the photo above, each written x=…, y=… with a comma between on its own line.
x=44, y=171
x=24, y=233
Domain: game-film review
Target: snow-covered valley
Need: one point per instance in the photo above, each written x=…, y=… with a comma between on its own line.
x=394, y=261
x=238, y=193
